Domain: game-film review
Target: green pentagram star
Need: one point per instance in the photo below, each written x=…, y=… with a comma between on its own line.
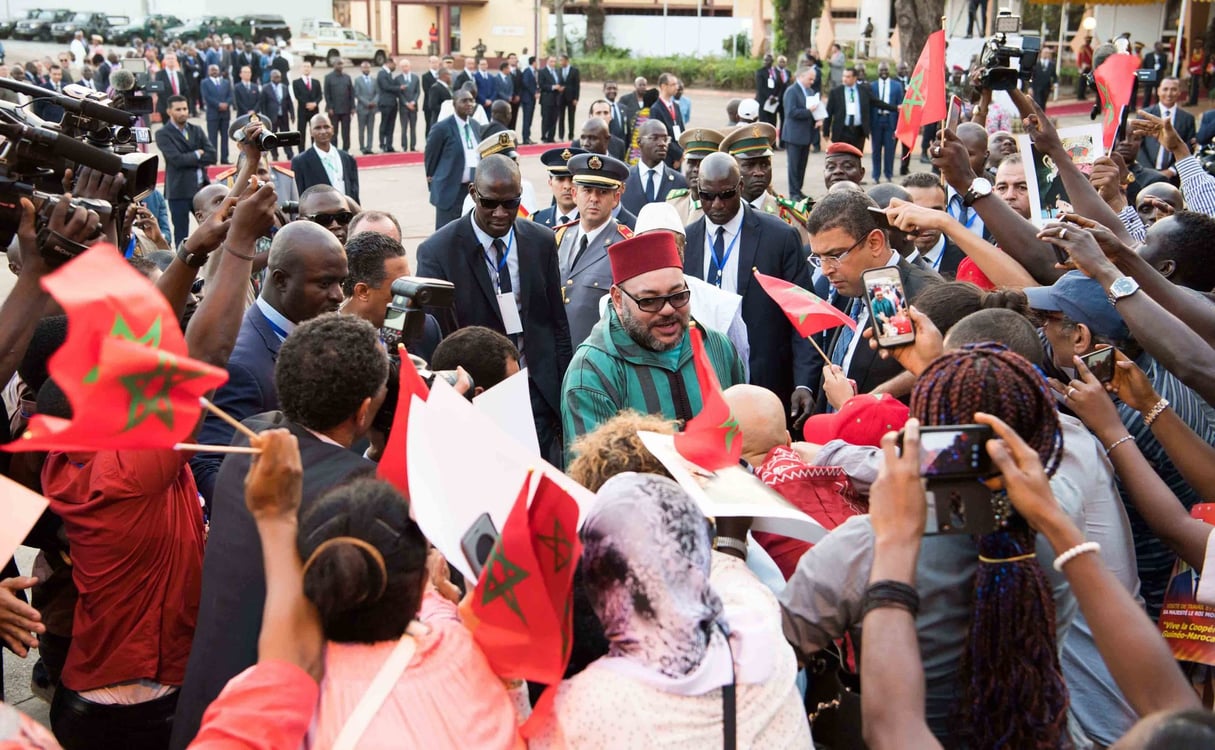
x=495, y=587
x=122, y=330
x=559, y=544
x=732, y=431
x=1107, y=104
x=914, y=96
x=150, y=391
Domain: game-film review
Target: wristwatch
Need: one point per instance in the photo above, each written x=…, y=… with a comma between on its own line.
x=979, y=188
x=1123, y=286
x=193, y=260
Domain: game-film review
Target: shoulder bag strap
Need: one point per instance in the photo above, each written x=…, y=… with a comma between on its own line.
x=729, y=702
x=377, y=693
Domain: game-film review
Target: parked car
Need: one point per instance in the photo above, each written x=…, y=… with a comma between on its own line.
x=252, y=27
x=39, y=27
x=326, y=40
x=262, y=26
x=7, y=26
x=151, y=27
x=89, y=23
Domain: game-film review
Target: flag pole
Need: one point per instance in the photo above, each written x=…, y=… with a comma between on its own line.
x=227, y=418
x=823, y=354
x=216, y=448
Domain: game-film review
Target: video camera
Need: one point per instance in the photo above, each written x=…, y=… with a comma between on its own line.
x=266, y=141
x=1004, y=64
x=134, y=86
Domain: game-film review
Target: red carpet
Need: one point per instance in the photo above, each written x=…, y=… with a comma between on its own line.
x=1067, y=109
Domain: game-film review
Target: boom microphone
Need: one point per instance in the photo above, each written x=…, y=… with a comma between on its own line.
x=122, y=79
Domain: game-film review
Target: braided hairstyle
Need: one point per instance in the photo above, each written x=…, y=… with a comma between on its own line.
x=1013, y=693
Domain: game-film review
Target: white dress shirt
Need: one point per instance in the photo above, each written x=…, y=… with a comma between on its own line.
x=332, y=162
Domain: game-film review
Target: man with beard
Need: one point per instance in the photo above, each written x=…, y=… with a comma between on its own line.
x=752, y=148
x=697, y=144
x=564, y=210
x=639, y=356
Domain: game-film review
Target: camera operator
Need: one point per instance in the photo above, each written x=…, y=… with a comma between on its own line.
x=374, y=260
x=486, y=355
x=187, y=153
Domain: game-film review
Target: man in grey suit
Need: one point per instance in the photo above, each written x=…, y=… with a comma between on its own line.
x=504, y=86
x=407, y=101
x=798, y=129
x=582, y=257
x=365, y=96
x=387, y=92
x=339, y=101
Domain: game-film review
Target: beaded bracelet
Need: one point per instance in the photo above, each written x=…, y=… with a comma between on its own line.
x=1074, y=552
x=1117, y=443
x=891, y=594
x=1155, y=412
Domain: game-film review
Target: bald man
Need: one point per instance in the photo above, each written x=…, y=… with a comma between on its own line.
x=304, y=279
x=597, y=138
x=325, y=163
x=1158, y=201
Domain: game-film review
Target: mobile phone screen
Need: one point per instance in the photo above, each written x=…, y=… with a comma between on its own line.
x=955, y=113
x=1100, y=363
x=887, y=307
x=955, y=451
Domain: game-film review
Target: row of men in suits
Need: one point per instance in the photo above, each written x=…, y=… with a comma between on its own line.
x=273, y=101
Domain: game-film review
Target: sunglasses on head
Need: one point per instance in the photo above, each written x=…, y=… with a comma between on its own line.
x=724, y=195
x=510, y=204
x=341, y=217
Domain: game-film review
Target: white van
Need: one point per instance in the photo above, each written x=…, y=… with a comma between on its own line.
x=323, y=39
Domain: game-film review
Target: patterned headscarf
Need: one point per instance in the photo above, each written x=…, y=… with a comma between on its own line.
x=646, y=557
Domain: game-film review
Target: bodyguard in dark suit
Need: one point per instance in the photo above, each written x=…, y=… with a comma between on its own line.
x=780, y=359
x=276, y=107
x=486, y=85
x=174, y=82
x=307, y=91
x=496, y=262
x=528, y=88
x=1043, y=78
x=1150, y=153
x=428, y=81
x=339, y=101
x=650, y=179
x=438, y=93
x=1206, y=128
x=407, y=104
x=450, y=158
x=309, y=168
x=848, y=108
x=233, y=583
x=570, y=80
x=886, y=94
x=1157, y=60
x=387, y=94
x=550, y=101
x=246, y=95
x=665, y=110
x=769, y=89
x=187, y=153
x=798, y=130
x=217, y=100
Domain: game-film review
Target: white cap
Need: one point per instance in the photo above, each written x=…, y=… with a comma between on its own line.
x=748, y=110
x=659, y=217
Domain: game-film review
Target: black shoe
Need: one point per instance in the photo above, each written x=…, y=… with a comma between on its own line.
x=904, y=172
x=389, y=150
x=924, y=159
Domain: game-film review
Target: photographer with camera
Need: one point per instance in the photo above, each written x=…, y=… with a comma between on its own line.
x=187, y=153
x=375, y=261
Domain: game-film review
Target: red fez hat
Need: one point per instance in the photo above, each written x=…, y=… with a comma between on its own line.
x=642, y=254
x=839, y=147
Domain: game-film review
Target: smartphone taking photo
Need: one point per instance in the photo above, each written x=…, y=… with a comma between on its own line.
x=1100, y=363
x=478, y=542
x=948, y=451
x=887, y=307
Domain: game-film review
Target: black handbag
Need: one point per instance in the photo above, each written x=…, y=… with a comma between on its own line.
x=833, y=700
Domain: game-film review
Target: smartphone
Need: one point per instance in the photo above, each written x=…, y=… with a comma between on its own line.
x=887, y=307
x=1100, y=363
x=955, y=451
x=954, y=116
x=478, y=543
x=880, y=217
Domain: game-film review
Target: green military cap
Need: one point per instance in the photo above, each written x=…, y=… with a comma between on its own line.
x=698, y=143
x=750, y=141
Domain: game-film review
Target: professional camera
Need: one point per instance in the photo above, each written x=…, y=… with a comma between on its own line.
x=1004, y=64
x=405, y=318
x=266, y=141
x=134, y=86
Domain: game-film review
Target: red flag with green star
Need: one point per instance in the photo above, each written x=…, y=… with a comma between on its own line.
x=924, y=101
x=809, y=313
x=124, y=365
x=392, y=467
x=711, y=439
x=1115, y=81
x=523, y=602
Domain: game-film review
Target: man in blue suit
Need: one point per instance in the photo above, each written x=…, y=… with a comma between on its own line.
x=798, y=129
x=527, y=98
x=884, y=118
x=303, y=280
x=450, y=158
x=217, y=100
x=486, y=85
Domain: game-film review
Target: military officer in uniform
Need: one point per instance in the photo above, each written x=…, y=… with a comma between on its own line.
x=506, y=143
x=697, y=143
x=586, y=274
x=563, y=209
x=751, y=146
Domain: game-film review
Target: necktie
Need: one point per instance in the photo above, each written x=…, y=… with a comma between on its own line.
x=563, y=220
x=308, y=83
x=851, y=98
x=504, y=283
x=468, y=136
x=582, y=244
x=651, y=192
x=841, y=344
x=719, y=251
x=173, y=78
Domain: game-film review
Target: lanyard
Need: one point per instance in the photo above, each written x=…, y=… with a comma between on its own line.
x=720, y=265
x=497, y=267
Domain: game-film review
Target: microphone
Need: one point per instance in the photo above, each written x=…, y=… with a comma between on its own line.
x=85, y=107
x=122, y=79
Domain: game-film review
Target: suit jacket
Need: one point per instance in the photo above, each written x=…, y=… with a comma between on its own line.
x=660, y=112
x=951, y=257
x=625, y=217
x=272, y=109
x=182, y=162
x=546, y=79
x=387, y=91
x=411, y=91
x=310, y=171
x=529, y=86
x=1206, y=128
x=618, y=126
x=435, y=96
x=572, y=83
x=213, y=94
x=366, y=92
x=1042, y=79
x=798, y=126
x=780, y=358
x=234, y=584
x=304, y=94
x=1183, y=123
x=617, y=148
x=339, y=93
x=837, y=111
x=444, y=159
x=428, y=80
x=634, y=189
x=587, y=280
x=454, y=253
x=547, y=216
x=486, y=86
x=246, y=99
x=162, y=100
x=879, y=106
x=1153, y=61
x=462, y=78
x=504, y=88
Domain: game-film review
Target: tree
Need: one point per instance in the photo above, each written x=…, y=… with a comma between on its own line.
x=594, y=27
x=916, y=20
x=793, y=20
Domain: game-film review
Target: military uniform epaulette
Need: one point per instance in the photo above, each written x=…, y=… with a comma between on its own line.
x=226, y=175
x=559, y=230
x=625, y=232
x=799, y=210
x=677, y=193
x=283, y=170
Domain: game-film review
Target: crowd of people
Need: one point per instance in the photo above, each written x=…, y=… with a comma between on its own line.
x=271, y=593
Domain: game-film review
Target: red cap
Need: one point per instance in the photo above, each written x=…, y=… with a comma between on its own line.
x=642, y=254
x=968, y=271
x=839, y=147
x=862, y=420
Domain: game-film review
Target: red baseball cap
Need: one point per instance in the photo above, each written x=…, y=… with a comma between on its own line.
x=862, y=420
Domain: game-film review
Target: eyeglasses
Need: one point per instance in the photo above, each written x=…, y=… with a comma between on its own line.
x=341, y=217
x=510, y=204
x=818, y=261
x=678, y=300
x=725, y=195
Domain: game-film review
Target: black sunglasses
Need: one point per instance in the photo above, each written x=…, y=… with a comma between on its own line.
x=510, y=204
x=724, y=195
x=341, y=217
x=678, y=300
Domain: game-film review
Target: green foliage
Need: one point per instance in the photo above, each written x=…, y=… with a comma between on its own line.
x=740, y=43
x=779, y=8
x=608, y=51
x=711, y=72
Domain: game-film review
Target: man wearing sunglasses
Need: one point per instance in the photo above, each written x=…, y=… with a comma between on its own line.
x=324, y=205
x=450, y=158
x=639, y=356
x=723, y=248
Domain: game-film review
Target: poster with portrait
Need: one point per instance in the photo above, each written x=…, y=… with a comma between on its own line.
x=1047, y=196
x=1187, y=622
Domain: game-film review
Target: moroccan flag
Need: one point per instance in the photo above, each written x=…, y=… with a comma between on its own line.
x=523, y=602
x=1115, y=80
x=809, y=313
x=924, y=101
x=392, y=466
x=124, y=365
x=711, y=439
